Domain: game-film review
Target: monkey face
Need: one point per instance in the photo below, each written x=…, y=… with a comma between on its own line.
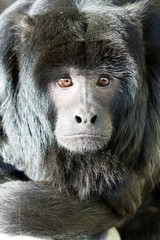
x=84, y=120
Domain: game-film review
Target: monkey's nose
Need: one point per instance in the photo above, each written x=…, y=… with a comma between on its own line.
x=80, y=119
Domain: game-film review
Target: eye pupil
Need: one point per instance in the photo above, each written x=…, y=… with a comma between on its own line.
x=65, y=82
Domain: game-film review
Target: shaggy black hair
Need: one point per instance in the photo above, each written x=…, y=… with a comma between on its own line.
x=61, y=194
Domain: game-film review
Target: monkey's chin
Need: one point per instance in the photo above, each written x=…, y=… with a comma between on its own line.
x=82, y=143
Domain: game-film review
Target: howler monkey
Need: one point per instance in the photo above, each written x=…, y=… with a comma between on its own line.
x=80, y=118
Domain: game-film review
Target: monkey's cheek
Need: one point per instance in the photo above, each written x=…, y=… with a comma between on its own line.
x=82, y=144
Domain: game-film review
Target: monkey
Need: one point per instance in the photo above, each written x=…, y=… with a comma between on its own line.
x=79, y=118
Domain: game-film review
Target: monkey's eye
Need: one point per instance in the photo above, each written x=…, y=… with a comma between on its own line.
x=104, y=81
x=65, y=82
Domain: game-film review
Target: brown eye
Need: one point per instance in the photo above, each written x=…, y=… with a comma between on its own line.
x=104, y=81
x=65, y=82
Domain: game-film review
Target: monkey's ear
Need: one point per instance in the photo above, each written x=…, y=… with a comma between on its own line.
x=146, y=15
x=8, y=57
x=138, y=10
x=25, y=26
x=15, y=28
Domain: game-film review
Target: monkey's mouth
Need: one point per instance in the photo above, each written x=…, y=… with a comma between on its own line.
x=84, y=136
x=83, y=142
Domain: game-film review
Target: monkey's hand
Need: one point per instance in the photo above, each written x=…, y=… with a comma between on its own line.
x=126, y=198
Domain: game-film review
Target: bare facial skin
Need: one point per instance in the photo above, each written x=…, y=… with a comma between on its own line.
x=82, y=101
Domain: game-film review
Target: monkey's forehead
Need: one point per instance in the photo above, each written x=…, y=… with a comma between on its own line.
x=81, y=23
x=74, y=25
x=71, y=26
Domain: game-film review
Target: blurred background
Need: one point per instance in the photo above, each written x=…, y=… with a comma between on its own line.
x=4, y=4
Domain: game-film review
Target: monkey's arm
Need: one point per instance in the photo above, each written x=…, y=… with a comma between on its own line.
x=29, y=207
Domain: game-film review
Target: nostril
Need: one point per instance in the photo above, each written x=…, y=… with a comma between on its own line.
x=78, y=119
x=93, y=119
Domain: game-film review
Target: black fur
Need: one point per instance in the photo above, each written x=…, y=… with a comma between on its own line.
x=60, y=194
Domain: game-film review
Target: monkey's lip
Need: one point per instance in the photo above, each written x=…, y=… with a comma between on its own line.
x=84, y=136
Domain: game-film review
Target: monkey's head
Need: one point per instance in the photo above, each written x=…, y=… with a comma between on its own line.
x=86, y=69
